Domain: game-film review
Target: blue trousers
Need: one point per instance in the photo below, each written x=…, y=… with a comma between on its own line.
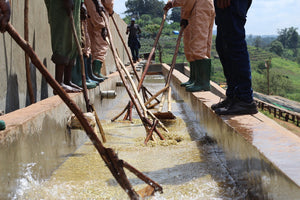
x=134, y=45
x=232, y=49
x=135, y=53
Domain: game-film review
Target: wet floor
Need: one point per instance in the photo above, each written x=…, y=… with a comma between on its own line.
x=187, y=165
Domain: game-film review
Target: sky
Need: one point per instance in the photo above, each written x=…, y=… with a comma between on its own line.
x=265, y=17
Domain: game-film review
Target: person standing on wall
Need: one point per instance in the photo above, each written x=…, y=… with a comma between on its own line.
x=133, y=41
x=97, y=32
x=198, y=18
x=86, y=51
x=232, y=49
x=63, y=43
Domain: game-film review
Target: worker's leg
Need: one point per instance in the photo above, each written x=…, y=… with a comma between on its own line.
x=230, y=23
x=68, y=75
x=201, y=33
x=59, y=74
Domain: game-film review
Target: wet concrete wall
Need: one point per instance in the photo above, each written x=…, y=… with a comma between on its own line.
x=261, y=156
x=14, y=94
x=36, y=137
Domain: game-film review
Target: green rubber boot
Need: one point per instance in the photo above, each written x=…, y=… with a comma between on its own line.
x=202, y=76
x=2, y=125
x=97, y=65
x=192, y=75
x=77, y=76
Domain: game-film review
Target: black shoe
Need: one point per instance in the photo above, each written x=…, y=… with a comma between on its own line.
x=238, y=107
x=222, y=104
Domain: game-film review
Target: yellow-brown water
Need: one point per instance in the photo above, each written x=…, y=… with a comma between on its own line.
x=179, y=167
x=185, y=165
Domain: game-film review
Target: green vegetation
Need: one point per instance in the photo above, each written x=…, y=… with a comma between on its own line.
x=281, y=51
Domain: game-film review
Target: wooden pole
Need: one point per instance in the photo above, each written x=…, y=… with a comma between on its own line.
x=153, y=50
x=110, y=158
x=86, y=98
x=145, y=90
x=27, y=64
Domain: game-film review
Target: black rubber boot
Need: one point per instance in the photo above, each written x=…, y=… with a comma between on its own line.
x=202, y=76
x=87, y=77
x=90, y=72
x=97, y=65
x=77, y=76
x=192, y=75
x=2, y=125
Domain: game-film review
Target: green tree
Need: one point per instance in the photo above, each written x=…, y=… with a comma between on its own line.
x=257, y=42
x=292, y=38
x=279, y=84
x=283, y=37
x=151, y=29
x=288, y=37
x=175, y=15
x=298, y=60
x=260, y=67
x=276, y=47
x=136, y=8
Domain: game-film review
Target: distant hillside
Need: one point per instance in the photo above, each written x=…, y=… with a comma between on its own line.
x=284, y=74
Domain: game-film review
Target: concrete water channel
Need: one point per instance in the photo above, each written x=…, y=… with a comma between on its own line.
x=204, y=156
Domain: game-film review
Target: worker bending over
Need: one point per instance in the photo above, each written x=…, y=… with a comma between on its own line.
x=198, y=18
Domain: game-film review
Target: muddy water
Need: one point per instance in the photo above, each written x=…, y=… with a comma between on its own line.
x=186, y=165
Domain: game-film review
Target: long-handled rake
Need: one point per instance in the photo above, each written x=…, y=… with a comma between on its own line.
x=140, y=85
x=115, y=165
x=167, y=88
x=89, y=106
x=145, y=91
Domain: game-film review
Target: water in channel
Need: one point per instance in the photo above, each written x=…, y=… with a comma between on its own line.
x=187, y=164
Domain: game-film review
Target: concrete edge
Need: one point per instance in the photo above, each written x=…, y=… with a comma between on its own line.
x=247, y=138
x=32, y=117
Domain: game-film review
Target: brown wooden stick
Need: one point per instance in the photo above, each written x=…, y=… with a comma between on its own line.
x=129, y=111
x=146, y=179
x=167, y=85
x=85, y=94
x=99, y=124
x=27, y=64
x=128, y=54
x=151, y=53
x=115, y=118
x=150, y=132
x=174, y=57
x=156, y=95
x=169, y=99
x=121, y=176
x=146, y=91
x=120, y=67
x=104, y=152
x=153, y=50
x=126, y=49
